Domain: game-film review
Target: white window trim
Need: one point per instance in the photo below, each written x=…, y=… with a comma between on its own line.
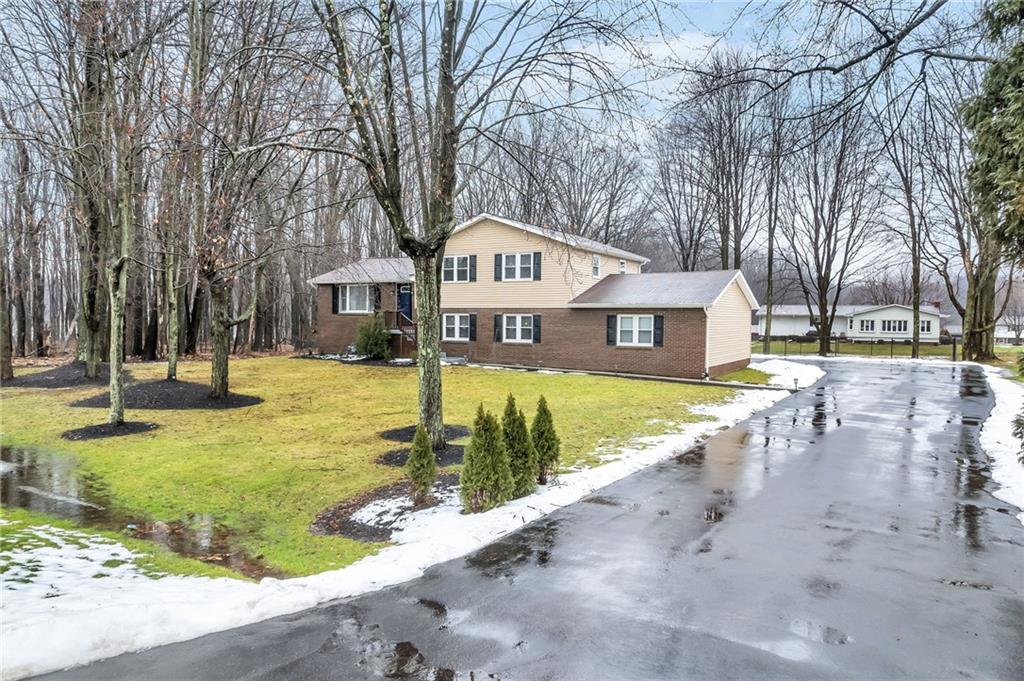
x=595, y=266
x=635, y=331
x=622, y=266
x=453, y=259
x=457, y=317
x=929, y=323
x=369, y=298
x=894, y=326
x=867, y=325
x=518, y=257
x=519, y=329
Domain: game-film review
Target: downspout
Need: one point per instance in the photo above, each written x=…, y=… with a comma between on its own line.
x=707, y=344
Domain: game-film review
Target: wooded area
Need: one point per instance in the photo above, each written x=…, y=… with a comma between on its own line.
x=175, y=172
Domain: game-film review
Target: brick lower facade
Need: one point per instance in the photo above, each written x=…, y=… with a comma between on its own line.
x=576, y=339
x=336, y=332
x=570, y=339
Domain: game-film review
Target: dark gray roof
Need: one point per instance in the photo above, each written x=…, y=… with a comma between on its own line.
x=369, y=271
x=661, y=289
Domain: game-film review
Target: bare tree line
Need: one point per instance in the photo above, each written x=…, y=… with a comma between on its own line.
x=177, y=172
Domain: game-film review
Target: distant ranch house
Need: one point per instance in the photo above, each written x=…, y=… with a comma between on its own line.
x=515, y=294
x=857, y=322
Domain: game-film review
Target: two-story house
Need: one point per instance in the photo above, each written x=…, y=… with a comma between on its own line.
x=520, y=295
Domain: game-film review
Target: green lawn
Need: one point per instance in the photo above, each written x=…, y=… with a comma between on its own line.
x=746, y=375
x=265, y=471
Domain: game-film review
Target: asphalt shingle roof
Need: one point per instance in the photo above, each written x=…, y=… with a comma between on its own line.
x=369, y=271
x=657, y=289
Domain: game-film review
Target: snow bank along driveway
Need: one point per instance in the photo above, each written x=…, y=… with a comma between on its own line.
x=92, y=619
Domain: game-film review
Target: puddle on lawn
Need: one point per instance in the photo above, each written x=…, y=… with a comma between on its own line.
x=53, y=484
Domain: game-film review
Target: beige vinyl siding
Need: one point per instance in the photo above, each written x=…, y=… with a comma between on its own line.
x=566, y=272
x=729, y=327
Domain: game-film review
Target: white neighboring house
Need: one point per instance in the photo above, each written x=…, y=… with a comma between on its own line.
x=857, y=322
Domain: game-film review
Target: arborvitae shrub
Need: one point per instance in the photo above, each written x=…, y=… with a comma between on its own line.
x=486, y=479
x=373, y=340
x=421, y=466
x=545, y=441
x=522, y=456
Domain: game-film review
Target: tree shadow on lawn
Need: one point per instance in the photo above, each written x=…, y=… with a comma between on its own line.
x=163, y=394
x=407, y=433
x=101, y=430
x=71, y=375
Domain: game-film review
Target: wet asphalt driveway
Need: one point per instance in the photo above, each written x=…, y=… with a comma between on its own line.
x=846, y=533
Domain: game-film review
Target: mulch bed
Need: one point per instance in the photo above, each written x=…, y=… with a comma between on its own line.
x=163, y=394
x=71, y=375
x=102, y=430
x=407, y=433
x=337, y=519
x=449, y=456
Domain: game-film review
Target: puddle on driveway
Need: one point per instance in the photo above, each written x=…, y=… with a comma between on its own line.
x=506, y=556
x=53, y=484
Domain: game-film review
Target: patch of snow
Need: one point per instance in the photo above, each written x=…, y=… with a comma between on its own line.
x=340, y=358
x=402, y=361
x=998, y=441
x=786, y=374
x=94, y=619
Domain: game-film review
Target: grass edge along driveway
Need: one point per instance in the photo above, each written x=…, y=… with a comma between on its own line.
x=266, y=470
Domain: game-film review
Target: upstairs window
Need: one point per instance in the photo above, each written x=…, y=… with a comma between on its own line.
x=595, y=265
x=458, y=268
x=518, y=266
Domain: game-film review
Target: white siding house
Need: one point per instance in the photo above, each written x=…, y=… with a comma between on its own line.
x=857, y=322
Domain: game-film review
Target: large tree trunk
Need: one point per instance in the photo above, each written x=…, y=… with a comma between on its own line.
x=6, y=367
x=171, y=293
x=220, y=336
x=117, y=284
x=38, y=294
x=428, y=345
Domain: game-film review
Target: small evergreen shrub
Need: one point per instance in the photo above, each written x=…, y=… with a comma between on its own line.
x=486, y=479
x=545, y=441
x=1018, y=432
x=373, y=340
x=521, y=454
x=421, y=466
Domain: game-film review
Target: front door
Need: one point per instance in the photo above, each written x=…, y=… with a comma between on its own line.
x=405, y=301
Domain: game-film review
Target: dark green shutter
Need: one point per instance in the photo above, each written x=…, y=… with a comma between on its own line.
x=472, y=268
x=536, y=328
x=334, y=299
x=497, y=267
x=659, y=330
x=497, y=328
x=472, y=325
x=376, y=297
x=610, y=335
x=536, y=265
